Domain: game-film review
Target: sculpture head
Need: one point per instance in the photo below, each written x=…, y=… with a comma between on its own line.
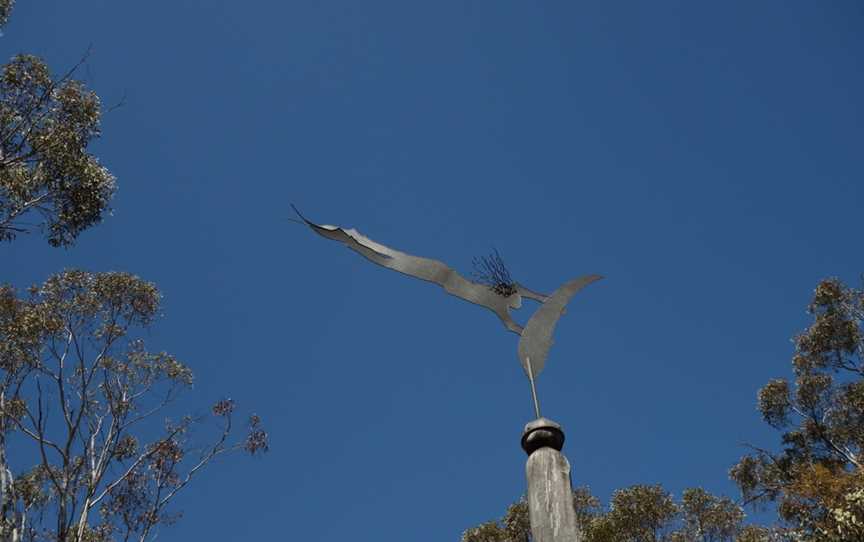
x=491, y=271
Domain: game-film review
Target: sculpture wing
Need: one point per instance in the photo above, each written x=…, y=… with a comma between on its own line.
x=421, y=268
x=536, y=338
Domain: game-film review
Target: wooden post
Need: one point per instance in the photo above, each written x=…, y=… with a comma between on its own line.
x=550, y=493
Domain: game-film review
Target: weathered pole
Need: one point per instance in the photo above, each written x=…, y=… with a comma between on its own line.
x=550, y=493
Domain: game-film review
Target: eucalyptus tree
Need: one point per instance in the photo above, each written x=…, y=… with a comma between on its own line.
x=90, y=446
x=49, y=182
x=639, y=513
x=82, y=393
x=816, y=478
x=5, y=9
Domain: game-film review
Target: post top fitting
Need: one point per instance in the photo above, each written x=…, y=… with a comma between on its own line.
x=540, y=433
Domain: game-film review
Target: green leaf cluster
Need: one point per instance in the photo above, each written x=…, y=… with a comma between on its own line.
x=48, y=179
x=83, y=401
x=640, y=513
x=814, y=478
x=5, y=10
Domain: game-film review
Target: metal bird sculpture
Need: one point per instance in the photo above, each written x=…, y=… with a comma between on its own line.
x=494, y=290
x=497, y=293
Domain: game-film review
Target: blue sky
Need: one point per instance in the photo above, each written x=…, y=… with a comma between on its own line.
x=704, y=157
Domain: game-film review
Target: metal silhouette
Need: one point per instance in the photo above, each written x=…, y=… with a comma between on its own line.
x=536, y=338
x=494, y=290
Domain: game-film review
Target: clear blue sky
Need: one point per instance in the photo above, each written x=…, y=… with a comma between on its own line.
x=705, y=157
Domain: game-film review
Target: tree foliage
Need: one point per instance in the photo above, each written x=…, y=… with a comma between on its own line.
x=84, y=403
x=5, y=10
x=83, y=395
x=48, y=180
x=816, y=479
x=640, y=513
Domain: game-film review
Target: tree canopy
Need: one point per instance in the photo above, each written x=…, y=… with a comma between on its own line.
x=48, y=180
x=5, y=10
x=83, y=395
x=816, y=479
x=89, y=448
x=640, y=513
